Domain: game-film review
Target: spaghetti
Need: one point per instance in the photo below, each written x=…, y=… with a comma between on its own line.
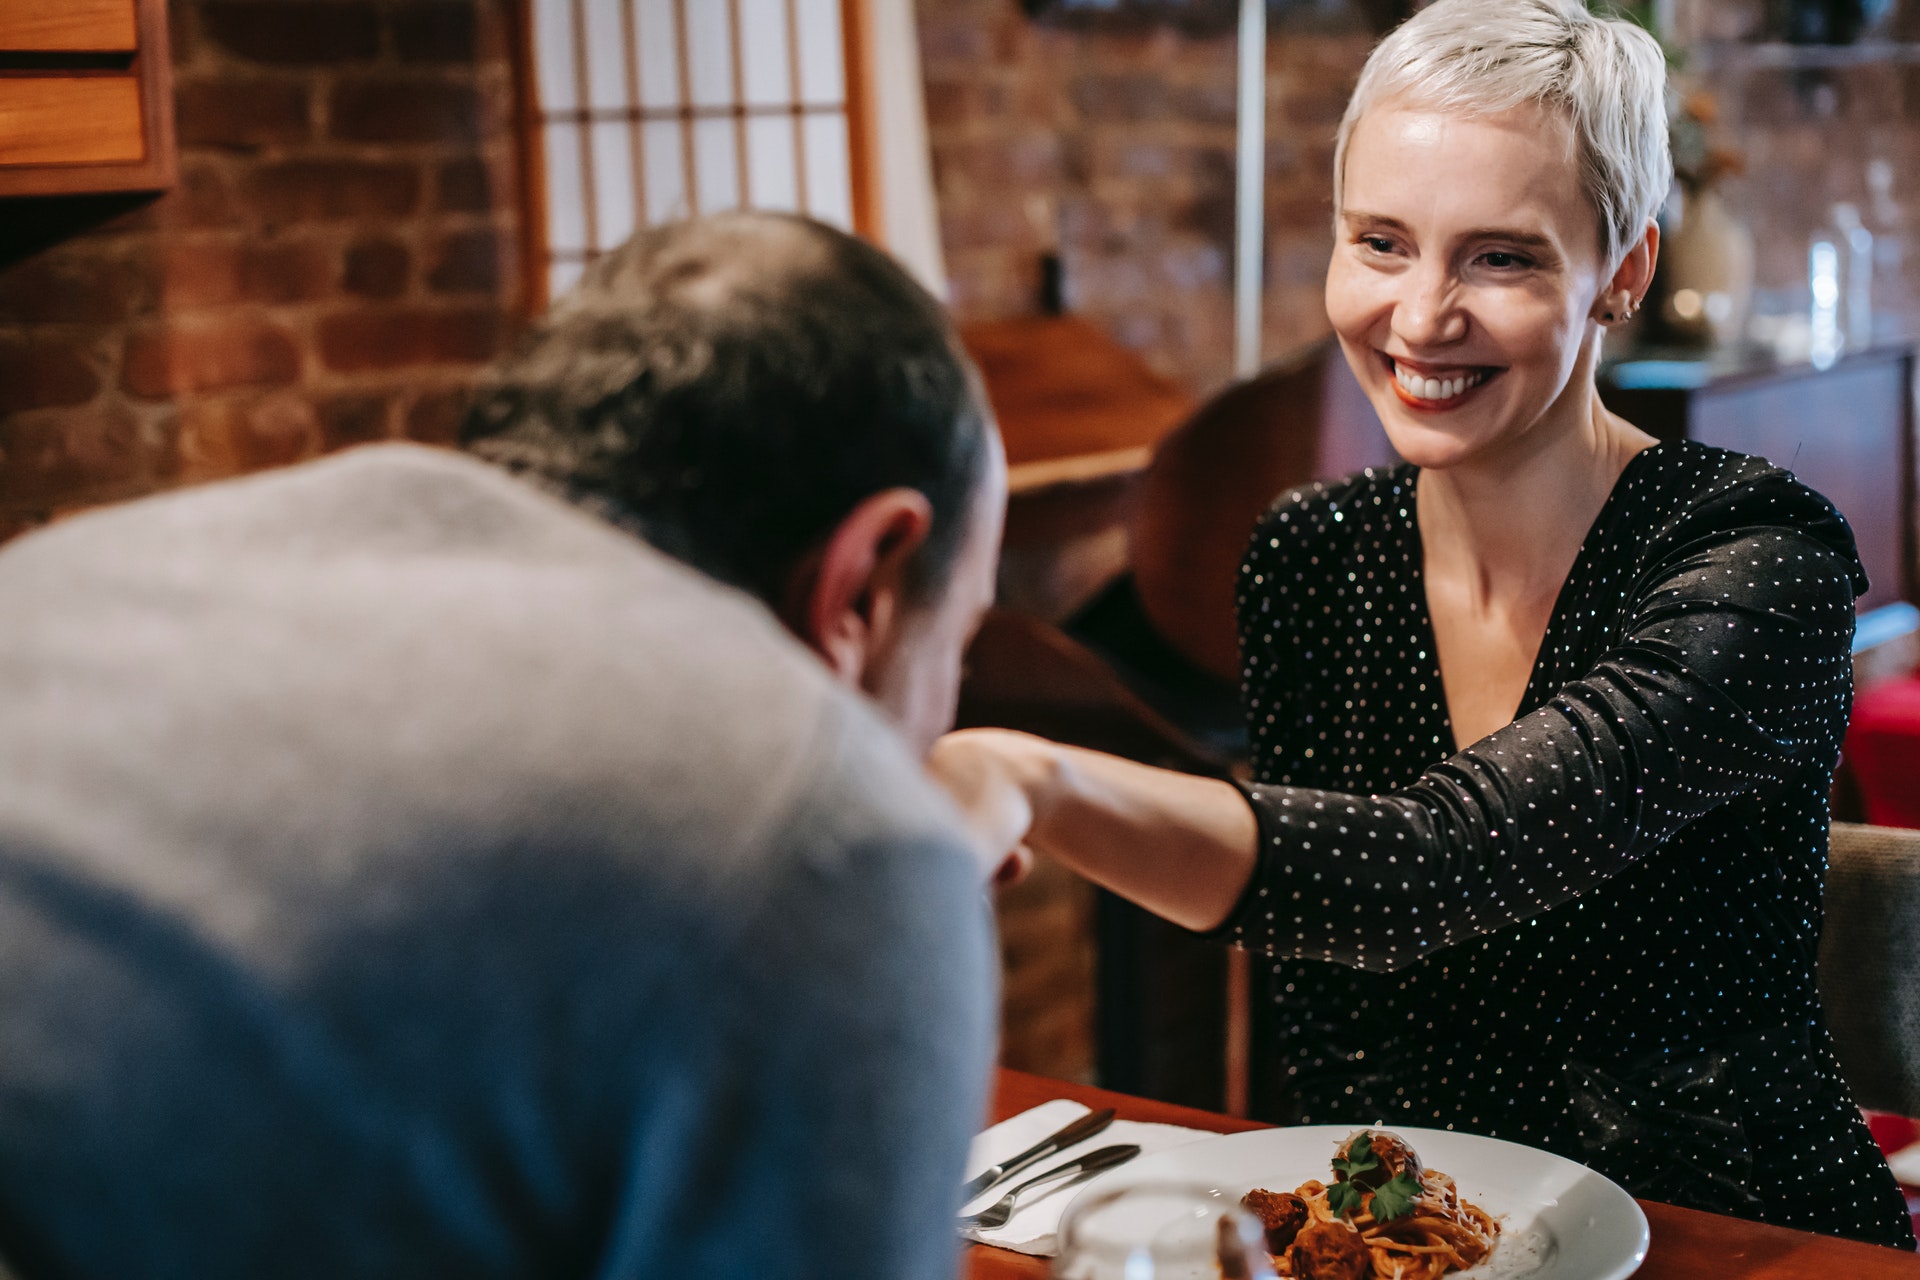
x=1384, y=1217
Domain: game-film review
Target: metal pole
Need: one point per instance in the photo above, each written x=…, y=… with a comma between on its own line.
x=1250, y=244
x=1251, y=189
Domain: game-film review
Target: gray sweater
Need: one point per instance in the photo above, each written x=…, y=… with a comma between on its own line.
x=404, y=874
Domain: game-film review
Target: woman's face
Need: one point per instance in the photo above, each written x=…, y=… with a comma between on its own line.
x=1465, y=278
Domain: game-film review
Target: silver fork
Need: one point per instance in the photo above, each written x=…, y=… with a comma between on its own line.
x=1074, y=1171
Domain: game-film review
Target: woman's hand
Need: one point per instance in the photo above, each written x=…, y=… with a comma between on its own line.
x=993, y=776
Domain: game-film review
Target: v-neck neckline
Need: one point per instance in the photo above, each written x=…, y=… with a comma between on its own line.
x=1532, y=696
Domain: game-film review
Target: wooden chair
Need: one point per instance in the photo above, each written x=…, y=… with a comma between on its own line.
x=1870, y=963
x=1157, y=993
x=1023, y=673
x=1303, y=418
x=1151, y=671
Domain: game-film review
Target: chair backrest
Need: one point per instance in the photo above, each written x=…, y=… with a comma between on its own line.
x=1303, y=418
x=1870, y=963
x=1024, y=673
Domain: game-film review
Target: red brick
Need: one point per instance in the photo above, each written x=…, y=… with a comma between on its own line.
x=1214, y=101
x=405, y=109
x=321, y=190
x=178, y=359
x=198, y=274
x=220, y=273
x=242, y=115
x=1028, y=157
x=377, y=269
x=183, y=35
x=275, y=431
x=954, y=101
x=202, y=199
x=1321, y=110
x=353, y=419
x=224, y=436
x=464, y=186
x=297, y=271
x=293, y=32
x=954, y=39
x=45, y=373
x=77, y=283
x=58, y=457
x=399, y=337
x=426, y=31
x=203, y=437
x=1132, y=97
x=985, y=226
x=436, y=416
x=469, y=262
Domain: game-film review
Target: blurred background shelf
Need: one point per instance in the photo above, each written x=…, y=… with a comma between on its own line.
x=1780, y=56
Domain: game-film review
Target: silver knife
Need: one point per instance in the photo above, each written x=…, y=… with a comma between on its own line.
x=1079, y=1131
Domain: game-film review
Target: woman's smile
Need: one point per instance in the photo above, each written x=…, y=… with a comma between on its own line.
x=1435, y=388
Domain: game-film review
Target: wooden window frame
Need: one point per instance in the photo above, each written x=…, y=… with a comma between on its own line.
x=530, y=121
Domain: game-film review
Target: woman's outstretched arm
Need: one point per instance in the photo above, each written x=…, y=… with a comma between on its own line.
x=1734, y=677
x=1181, y=846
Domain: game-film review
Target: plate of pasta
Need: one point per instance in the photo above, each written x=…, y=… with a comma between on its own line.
x=1340, y=1203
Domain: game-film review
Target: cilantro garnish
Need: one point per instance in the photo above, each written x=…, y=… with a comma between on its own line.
x=1391, y=1199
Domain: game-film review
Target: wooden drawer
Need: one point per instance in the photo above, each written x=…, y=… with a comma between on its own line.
x=86, y=101
x=71, y=120
x=67, y=26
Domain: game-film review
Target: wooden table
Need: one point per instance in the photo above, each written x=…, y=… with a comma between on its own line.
x=1073, y=404
x=1687, y=1245
x=1080, y=415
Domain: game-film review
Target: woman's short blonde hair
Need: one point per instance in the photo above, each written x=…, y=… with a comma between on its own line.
x=1605, y=75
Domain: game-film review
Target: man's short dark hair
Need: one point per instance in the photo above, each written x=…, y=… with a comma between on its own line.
x=731, y=388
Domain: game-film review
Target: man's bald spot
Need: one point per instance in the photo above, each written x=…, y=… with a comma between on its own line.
x=700, y=268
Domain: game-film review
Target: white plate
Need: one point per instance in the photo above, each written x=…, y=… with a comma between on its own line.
x=1558, y=1220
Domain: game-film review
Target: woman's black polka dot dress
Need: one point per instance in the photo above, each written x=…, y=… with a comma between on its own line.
x=1593, y=931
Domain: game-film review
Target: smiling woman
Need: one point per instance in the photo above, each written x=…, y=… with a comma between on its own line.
x=1543, y=720
x=1469, y=312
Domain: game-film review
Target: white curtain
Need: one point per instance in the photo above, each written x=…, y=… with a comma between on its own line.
x=897, y=142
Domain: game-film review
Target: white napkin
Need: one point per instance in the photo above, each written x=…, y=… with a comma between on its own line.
x=1036, y=1216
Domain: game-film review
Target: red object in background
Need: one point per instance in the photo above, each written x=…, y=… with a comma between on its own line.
x=1883, y=748
x=1893, y=1133
x=1897, y=1133
x=1883, y=754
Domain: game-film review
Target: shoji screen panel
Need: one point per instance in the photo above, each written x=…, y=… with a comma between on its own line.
x=644, y=111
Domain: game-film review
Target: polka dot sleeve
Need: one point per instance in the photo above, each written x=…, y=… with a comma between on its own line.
x=1733, y=675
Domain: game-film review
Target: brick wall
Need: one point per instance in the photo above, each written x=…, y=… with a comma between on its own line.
x=1117, y=148
x=339, y=254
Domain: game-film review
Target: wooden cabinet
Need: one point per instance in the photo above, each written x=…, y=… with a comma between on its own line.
x=85, y=97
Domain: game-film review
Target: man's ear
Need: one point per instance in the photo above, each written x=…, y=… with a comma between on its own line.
x=846, y=600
